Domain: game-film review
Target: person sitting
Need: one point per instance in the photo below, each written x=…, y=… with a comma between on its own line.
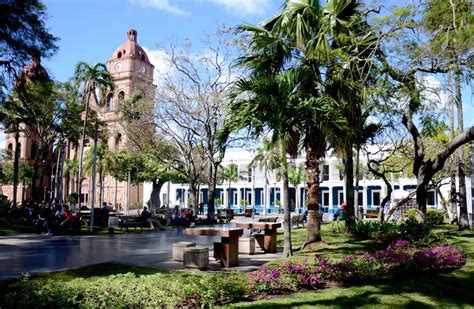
x=146, y=216
x=43, y=222
x=69, y=218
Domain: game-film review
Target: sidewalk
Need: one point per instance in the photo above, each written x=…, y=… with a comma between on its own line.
x=36, y=254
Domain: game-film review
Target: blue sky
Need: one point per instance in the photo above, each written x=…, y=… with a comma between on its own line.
x=90, y=30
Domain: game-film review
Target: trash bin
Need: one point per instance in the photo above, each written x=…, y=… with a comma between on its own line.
x=342, y=215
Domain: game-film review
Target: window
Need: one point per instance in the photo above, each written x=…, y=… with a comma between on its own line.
x=10, y=150
x=249, y=197
x=121, y=96
x=325, y=198
x=109, y=103
x=118, y=139
x=431, y=198
x=360, y=199
x=119, y=55
x=376, y=198
x=235, y=197
x=341, y=197
x=325, y=172
x=249, y=173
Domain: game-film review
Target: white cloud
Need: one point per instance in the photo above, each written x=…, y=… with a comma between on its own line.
x=163, y=5
x=161, y=62
x=433, y=91
x=243, y=7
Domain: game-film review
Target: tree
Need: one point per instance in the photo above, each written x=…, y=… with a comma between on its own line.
x=231, y=174
x=295, y=177
x=404, y=75
x=266, y=158
x=103, y=163
x=91, y=80
x=23, y=35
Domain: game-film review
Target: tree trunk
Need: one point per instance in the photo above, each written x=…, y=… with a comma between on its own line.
x=265, y=190
x=349, y=185
x=453, y=194
x=193, y=191
x=155, y=200
x=356, y=189
x=463, y=218
x=315, y=148
x=287, y=251
x=16, y=165
x=101, y=188
x=211, y=192
x=81, y=153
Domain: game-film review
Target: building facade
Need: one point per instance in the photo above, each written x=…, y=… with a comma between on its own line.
x=250, y=190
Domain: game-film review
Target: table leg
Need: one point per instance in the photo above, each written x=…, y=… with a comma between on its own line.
x=229, y=251
x=269, y=240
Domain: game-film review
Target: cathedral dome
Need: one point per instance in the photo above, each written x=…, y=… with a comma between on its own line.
x=130, y=48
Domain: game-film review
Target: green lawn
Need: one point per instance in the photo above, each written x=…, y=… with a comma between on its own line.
x=438, y=290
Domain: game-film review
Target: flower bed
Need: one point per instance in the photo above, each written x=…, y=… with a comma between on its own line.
x=399, y=259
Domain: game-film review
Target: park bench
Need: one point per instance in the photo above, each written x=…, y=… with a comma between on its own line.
x=372, y=213
x=248, y=212
x=296, y=220
x=132, y=221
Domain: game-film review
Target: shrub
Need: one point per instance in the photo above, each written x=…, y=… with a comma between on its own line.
x=128, y=291
x=290, y=277
x=337, y=227
x=434, y=216
x=411, y=214
x=399, y=259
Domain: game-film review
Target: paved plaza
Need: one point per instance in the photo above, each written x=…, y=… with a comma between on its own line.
x=35, y=254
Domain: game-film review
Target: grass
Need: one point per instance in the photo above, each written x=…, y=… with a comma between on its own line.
x=436, y=290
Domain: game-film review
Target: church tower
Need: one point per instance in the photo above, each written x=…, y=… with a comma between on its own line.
x=132, y=71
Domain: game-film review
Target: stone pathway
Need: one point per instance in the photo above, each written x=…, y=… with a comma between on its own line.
x=35, y=254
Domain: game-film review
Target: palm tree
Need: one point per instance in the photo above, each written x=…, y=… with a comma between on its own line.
x=231, y=174
x=295, y=177
x=91, y=80
x=103, y=165
x=71, y=170
x=266, y=158
x=270, y=104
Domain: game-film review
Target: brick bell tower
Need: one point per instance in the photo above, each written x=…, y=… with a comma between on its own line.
x=132, y=71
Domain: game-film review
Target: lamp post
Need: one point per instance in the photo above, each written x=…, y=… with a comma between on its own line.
x=128, y=191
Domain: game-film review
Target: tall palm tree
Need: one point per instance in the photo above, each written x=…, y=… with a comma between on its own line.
x=266, y=158
x=231, y=174
x=104, y=162
x=91, y=80
x=295, y=177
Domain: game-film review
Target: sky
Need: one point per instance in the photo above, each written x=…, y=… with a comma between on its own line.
x=91, y=30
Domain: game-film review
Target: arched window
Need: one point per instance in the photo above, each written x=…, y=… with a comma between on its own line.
x=19, y=149
x=109, y=102
x=121, y=96
x=119, y=55
x=10, y=150
x=118, y=140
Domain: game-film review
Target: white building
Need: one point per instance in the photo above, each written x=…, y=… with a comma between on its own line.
x=250, y=190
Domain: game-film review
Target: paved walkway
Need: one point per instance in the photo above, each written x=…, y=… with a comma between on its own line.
x=35, y=254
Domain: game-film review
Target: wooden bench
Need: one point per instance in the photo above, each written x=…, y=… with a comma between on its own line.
x=371, y=213
x=297, y=220
x=248, y=212
x=132, y=221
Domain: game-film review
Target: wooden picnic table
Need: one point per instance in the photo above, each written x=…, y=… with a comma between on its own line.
x=226, y=251
x=270, y=233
